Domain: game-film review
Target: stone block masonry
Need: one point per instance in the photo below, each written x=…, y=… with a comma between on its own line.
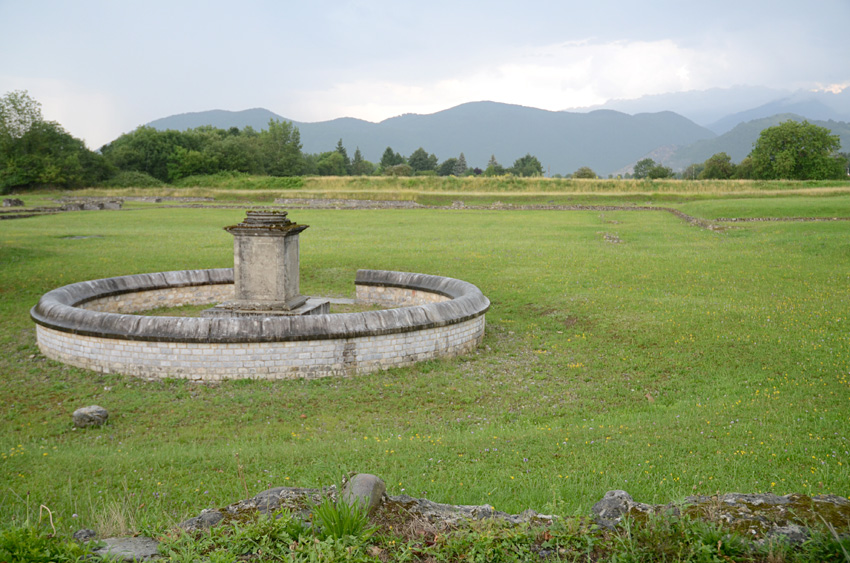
x=87, y=325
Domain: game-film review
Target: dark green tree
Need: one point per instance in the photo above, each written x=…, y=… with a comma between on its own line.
x=718, y=167
x=460, y=166
x=331, y=164
x=797, y=151
x=744, y=170
x=649, y=169
x=402, y=169
x=585, y=172
x=360, y=166
x=845, y=157
x=421, y=161
x=693, y=171
x=345, y=160
x=281, y=149
x=659, y=172
x=145, y=150
x=447, y=167
x=494, y=168
x=391, y=158
x=34, y=152
x=188, y=162
x=527, y=165
x=643, y=168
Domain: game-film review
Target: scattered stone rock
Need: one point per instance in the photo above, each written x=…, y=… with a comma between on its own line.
x=84, y=535
x=139, y=548
x=794, y=533
x=13, y=202
x=299, y=501
x=90, y=416
x=207, y=519
x=759, y=517
x=366, y=489
x=615, y=505
x=450, y=515
x=756, y=516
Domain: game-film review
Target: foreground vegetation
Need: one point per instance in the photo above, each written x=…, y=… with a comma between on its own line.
x=676, y=361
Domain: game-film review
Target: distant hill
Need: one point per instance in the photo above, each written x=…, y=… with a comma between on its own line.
x=721, y=109
x=258, y=118
x=703, y=107
x=811, y=107
x=563, y=141
x=738, y=142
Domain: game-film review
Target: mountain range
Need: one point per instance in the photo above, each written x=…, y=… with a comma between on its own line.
x=606, y=139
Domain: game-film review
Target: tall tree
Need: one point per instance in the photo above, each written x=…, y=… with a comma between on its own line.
x=18, y=113
x=391, y=158
x=494, y=168
x=421, y=161
x=447, y=167
x=331, y=164
x=643, y=168
x=359, y=166
x=460, y=166
x=527, y=165
x=344, y=154
x=797, y=151
x=281, y=146
x=34, y=152
x=718, y=167
x=585, y=172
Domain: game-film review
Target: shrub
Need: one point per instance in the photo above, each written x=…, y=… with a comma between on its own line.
x=132, y=179
x=340, y=520
x=33, y=544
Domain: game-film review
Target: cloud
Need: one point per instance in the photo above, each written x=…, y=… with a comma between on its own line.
x=553, y=77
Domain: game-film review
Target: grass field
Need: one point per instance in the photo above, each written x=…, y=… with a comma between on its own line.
x=677, y=361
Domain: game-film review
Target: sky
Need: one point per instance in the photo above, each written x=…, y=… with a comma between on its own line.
x=103, y=67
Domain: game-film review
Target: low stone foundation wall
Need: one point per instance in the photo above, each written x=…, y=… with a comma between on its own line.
x=87, y=325
x=159, y=298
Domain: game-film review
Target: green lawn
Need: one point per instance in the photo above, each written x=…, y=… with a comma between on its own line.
x=675, y=362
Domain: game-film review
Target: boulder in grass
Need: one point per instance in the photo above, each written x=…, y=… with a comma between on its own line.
x=365, y=489
x=90, y=416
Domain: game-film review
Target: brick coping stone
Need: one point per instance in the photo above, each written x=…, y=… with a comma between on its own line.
x=60, y=310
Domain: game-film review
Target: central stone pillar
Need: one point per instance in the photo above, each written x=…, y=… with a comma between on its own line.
x=266, y=261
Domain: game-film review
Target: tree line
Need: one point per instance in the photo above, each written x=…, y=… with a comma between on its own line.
x=35, y=152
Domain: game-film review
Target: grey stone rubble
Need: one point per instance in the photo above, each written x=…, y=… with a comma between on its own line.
x=364, y=488
x=762, y=516
x=92, y=206
x=90, y=416
x=779, y=219
x=12, y=202
x=139, y=548
x=147, y=199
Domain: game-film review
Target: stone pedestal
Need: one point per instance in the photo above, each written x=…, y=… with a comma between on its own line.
x=266, y=262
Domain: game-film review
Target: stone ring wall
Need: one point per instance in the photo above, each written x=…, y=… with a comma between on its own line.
x=89, y=325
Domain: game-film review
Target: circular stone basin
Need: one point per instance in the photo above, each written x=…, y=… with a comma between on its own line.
x=90, y=325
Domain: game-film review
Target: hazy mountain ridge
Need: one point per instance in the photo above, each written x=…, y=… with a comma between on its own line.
x=563, y=141
x=606, y=140
x=721, y=109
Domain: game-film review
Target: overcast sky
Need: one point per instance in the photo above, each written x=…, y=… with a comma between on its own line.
x=103, y=67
